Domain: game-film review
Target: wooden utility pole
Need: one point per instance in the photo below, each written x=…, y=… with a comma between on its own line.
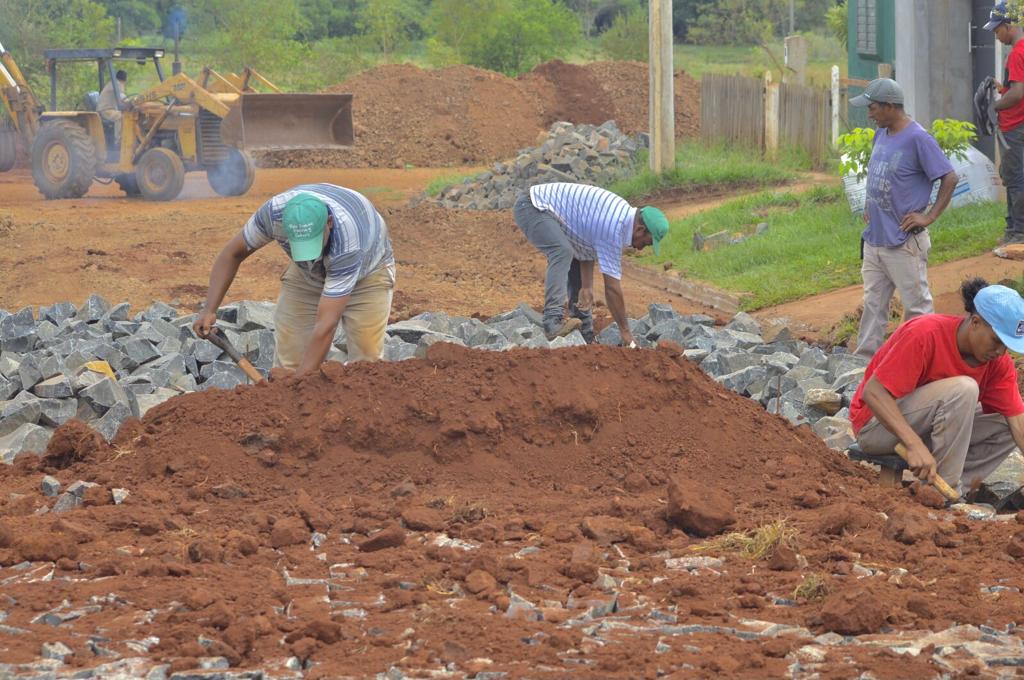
x=661, y=103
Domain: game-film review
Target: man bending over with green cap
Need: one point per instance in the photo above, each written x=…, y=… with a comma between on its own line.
x=342, y=270
x=575, y=225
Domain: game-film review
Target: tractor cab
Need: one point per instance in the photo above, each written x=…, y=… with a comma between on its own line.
x=106, y=67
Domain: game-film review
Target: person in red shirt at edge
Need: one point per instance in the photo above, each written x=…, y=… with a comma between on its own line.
x=945, y=387
x=1010, y=106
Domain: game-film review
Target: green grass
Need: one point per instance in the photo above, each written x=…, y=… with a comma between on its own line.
x=811, y=246
x=700, y=167
x=753, y=61
x=439, y=183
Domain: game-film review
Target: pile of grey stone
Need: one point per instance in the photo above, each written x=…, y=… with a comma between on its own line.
x=570, y=153
x=103, y=365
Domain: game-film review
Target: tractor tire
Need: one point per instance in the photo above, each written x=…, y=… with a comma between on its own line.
x=129, y=183
x=160, y=174
x=234, y=176
x=8, y=148
x=63, y=160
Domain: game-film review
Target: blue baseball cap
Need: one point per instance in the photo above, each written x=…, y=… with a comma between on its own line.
x=998, y=16
x=1003, y=309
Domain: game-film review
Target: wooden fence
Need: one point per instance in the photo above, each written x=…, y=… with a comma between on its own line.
x=732, y=109
x=763, y=115
x=805, y=120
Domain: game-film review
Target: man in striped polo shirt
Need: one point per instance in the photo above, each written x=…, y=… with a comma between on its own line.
x=342, y=270
x=575, y=225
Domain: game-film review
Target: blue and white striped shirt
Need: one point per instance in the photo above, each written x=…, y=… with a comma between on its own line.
x=599, y=224
x=358, y=246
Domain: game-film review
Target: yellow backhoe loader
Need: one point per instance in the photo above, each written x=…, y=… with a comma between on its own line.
x=177, y=126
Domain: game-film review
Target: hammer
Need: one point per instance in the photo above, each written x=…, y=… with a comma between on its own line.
x=217, y=337
x=939, y=483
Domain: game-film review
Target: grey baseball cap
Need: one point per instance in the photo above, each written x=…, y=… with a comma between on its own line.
x=880, y=91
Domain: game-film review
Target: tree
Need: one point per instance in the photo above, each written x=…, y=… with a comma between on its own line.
x=328, y=19
x=731, y=22
x=628, y=37
x=837, y=19
x=247, y=32
x=390, y=23
x=137, y=16
x=510, y=36
x=28, y=27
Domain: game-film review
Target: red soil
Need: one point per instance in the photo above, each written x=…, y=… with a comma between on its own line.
x=568, y=451
x=463, y=115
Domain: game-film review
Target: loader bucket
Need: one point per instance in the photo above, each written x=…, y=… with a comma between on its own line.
x=260, y=121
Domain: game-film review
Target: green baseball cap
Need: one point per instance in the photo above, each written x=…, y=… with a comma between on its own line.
x=656, y=223
x=304, y=219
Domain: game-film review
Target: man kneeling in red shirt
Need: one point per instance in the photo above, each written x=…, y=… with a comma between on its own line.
x=945, y=387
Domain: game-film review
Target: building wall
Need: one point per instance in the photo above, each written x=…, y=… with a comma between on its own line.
x=933, y=59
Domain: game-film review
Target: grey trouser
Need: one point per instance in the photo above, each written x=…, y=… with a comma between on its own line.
x=563, y=278
x=886, y=270
x=968, y=445
x=114, y=116
x=1011, y=170
x=365, y=317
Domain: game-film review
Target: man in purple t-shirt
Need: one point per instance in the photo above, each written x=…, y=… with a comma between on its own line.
x=905, y=164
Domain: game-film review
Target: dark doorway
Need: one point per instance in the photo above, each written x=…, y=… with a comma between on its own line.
x=983, y=53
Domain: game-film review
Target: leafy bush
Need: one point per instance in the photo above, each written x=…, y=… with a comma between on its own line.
x=954, y=136
x=836, y=19
x=628, y=37
x=855, y=147
x=510, y=36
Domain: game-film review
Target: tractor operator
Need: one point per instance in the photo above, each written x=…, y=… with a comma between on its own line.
x=945, y=387
x=575, y=225
x=111, y=103
x=342, y=270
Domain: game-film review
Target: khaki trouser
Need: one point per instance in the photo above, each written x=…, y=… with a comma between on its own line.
x=113, y=116
x=968, y=445
x=886, y=270
x=364, y=319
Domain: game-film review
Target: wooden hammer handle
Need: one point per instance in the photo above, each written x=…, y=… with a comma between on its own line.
x=939, y=483
x=250, y=370
x=218, y=338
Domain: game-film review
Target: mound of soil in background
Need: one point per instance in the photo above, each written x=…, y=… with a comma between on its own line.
x=537, y=461
x=461, y=115
x=610, y=90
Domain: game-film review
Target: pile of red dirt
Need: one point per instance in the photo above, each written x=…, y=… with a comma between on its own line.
x=457, y=509
x=461, y=115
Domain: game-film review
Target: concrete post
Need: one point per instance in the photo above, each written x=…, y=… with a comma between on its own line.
x=835, y=105
x=661, y=104
x=796, y=60
x=771, y=116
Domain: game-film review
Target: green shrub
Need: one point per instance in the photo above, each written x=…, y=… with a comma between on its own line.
x=509, y=36
x=628, y=37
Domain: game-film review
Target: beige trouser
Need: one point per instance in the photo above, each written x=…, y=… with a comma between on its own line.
x=113, y=116
x=364, y=319
x=886, y=270
x=968, y=445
